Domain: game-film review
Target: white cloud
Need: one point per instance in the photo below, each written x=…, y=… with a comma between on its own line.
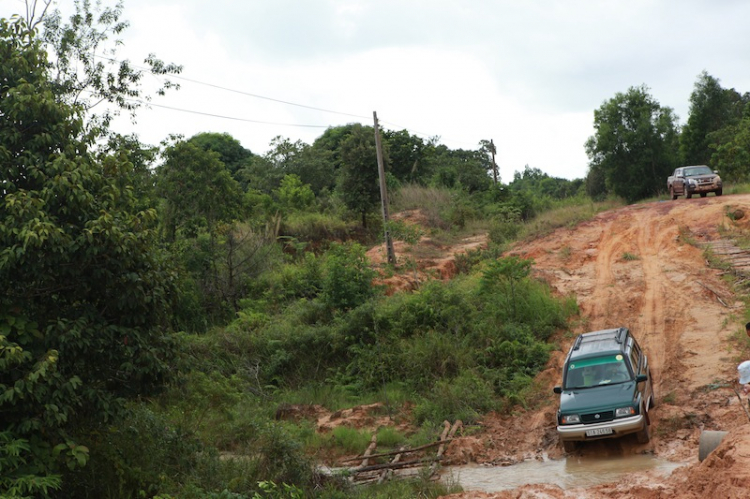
x=527, y=74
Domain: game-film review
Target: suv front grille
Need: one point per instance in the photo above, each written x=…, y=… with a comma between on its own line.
x=602, y=417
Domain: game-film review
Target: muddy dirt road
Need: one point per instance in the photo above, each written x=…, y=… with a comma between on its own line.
x=644, y=267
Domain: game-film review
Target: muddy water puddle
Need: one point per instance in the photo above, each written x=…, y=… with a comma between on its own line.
x=569, y=473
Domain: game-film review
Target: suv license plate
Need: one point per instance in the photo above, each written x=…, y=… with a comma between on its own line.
x=599, y=431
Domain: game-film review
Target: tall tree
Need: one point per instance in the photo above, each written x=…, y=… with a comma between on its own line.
x=358, y=183
x=731, y=146
x=711, y=108
x=85, y=70
x=84, y=291
x=230, y=151
x=635, y=144
x=197, y=189
x=409, y=156
x=461, y=168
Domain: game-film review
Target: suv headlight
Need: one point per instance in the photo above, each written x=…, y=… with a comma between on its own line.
x=571, y=419
x=622, y=412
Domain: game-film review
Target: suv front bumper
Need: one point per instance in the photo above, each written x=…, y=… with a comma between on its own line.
x=619, y=427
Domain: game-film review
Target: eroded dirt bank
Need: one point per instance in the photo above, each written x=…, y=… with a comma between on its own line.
x=639, y=267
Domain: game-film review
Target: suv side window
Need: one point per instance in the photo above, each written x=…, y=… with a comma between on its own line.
x=635, y=358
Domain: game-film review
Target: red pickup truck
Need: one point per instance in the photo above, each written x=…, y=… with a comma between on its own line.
x=689, y=180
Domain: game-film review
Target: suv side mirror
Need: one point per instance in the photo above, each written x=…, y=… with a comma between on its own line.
x=640, y=378
x=557, y=389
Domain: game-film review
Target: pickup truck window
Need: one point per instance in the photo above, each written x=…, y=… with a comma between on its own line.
x=697, y=170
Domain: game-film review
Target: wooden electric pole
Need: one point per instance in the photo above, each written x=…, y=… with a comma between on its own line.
x=383, y=193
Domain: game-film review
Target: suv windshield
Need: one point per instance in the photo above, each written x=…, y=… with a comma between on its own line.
x=586, y=373
x=698, y=170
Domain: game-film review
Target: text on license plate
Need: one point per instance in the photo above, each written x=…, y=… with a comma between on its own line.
x=599, y=431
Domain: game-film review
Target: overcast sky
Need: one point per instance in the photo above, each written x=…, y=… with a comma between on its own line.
x=527, y=74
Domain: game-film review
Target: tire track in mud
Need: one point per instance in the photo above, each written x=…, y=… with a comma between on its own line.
x=657, y=331
x=632, y=267
x=604, y=307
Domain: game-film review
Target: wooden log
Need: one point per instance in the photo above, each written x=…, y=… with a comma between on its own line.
x=387, y=473
x=393, y=453
x=396, y=466
x=370, y=448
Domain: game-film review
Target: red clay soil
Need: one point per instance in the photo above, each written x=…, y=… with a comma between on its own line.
x=641, y=266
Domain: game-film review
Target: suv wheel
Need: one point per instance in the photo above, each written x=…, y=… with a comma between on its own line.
x=644, y=436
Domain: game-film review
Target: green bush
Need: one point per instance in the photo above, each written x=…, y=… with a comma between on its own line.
x=137, y=455
x=464, y=397
x=347, y=279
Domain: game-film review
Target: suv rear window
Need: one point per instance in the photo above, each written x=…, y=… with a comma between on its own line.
x=596, y=371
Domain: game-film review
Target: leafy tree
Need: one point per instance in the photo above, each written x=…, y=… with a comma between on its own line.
x=197, y=189
x=488, y=148
x=358, y=183
x=347, y=281
x=230, y=151
x=312, y=165
x=596, y=183
x=293, y=194
x=85, y=69
x=731, y=146
x=84, y=292
x=711, y=108
x=461, y=169
x=536, y=182
x=635, y=144
x=409, y=156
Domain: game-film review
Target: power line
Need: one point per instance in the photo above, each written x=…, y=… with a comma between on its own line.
x=241, y=92
x=226, y=117
x=257, y=96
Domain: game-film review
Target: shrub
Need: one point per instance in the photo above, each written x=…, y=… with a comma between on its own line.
x=347, y=280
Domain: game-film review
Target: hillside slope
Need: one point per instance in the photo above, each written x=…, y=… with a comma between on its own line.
x=643, y=266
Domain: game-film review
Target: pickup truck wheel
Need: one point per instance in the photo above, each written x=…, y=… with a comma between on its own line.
x=672, y=194
x=719, y=192
x=703, y=194
x=569, y=446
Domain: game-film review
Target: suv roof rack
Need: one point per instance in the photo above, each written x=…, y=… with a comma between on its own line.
x=619, y=335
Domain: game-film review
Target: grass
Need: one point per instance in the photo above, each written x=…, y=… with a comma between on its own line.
x=567, y=213
x=629, y=257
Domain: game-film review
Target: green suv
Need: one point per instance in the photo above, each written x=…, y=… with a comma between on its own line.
x=607, y=390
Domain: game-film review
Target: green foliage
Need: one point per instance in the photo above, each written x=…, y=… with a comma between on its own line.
x=538, y=183
x=231, y=153
x=635, y=144
x=138, y=454
x=712, y=108
x=463, y=397
x=461, y=169
x=190, y=182
x=20, y=474
x=732, y=151
x=88, y=69
x=78, y=257
x=358, y=184
x=401, y=231
x=293, y=194
x=347, y=277
x=410, y=156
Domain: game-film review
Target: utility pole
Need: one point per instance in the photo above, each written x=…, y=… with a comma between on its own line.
x=383, y=193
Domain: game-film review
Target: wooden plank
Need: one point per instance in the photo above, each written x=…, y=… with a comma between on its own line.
x=393, y=453
x=370, y=448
